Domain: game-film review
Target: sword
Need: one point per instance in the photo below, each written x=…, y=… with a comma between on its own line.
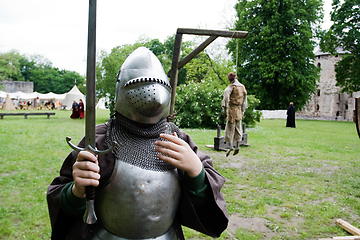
x=90, y=216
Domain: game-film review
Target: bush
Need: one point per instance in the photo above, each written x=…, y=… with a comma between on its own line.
x=251, y=116
x=198, y=105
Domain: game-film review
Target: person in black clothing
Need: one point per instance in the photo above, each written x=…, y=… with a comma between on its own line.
x=290, y=122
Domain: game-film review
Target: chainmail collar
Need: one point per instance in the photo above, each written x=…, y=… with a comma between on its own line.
x=136, y=145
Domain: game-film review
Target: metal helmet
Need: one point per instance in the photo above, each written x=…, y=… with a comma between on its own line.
x=143, y=92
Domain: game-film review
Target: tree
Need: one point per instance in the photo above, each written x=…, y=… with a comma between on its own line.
x=345, y=34
x=276, y=59
x=38, y=70
x=26, y=66
x=10, y=66
x=45, y=77
x=67, y=82
x=198, y=67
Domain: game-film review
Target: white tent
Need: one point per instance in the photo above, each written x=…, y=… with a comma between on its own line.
x=8, y=105
x=101, y=103
x=73, y=94
x=3, y=94
x=33, y=95
x=52, y=95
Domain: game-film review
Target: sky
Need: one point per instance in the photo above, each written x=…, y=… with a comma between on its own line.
x=57, y=30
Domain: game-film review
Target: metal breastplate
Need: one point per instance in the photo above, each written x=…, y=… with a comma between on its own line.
x=138, y=203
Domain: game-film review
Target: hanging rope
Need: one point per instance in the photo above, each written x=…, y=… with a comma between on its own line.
x=237, y=54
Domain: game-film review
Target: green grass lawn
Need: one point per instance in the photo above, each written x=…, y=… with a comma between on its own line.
x=293, y=183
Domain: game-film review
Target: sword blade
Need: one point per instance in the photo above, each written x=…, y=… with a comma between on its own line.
x=90, y=77
x=90, y=216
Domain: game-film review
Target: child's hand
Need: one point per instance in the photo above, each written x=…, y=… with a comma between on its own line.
x=179, y=154
x=85, y=173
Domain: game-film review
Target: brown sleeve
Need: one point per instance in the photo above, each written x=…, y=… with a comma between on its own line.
x=65, y=226
x=212, y=218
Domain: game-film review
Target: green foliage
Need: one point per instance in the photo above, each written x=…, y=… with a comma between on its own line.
x=348, y=73
x=38, y=70
x=26, y=66
x=48, y=79
x=345, y=34
x=198, y=105
x=275, y=60
x=220, y=70
x=198, y=67
x=10, y=66
x=251, y=115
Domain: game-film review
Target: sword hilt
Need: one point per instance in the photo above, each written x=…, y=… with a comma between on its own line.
x=90, y=216
x=90, y=148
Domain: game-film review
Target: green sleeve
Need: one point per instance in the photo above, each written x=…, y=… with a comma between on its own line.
x=71, y=204
x=197, y=188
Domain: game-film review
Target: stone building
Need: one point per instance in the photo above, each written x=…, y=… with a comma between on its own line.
x=14, y=86
x=328, y=102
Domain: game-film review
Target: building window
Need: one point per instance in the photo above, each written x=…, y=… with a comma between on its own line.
x=346, y=106
x=319, y=65
x=317, y=107
x=318, y=92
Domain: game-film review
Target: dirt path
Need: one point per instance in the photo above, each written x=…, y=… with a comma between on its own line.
x=259, y=225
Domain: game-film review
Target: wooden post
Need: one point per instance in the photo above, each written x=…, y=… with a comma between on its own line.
x=174, y=69
x=348, y=227
x=347, y=237
x=342, y=238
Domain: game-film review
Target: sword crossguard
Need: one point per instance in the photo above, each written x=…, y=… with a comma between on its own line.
x=90, y=148
x=90, y=216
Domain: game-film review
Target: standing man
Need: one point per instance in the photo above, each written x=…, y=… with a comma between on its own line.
x=234, y=105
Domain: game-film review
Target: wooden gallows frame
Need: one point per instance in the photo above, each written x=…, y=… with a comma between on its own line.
x=177, y=64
